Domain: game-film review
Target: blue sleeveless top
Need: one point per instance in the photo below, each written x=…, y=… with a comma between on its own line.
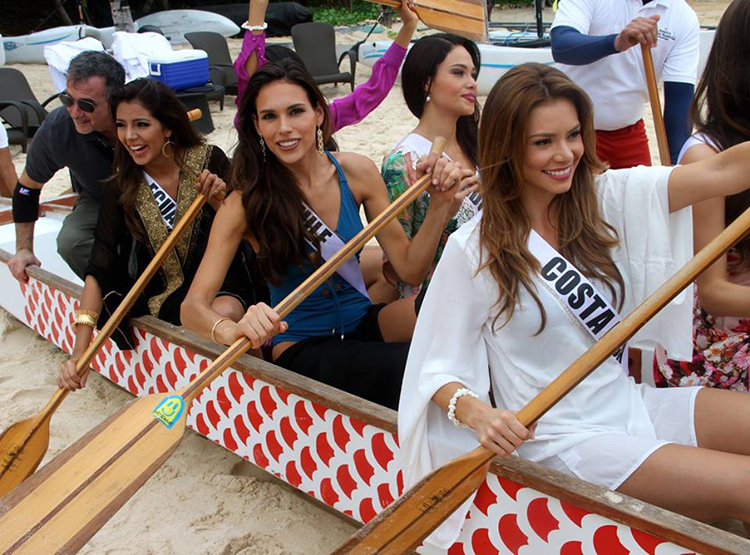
x=335, y=307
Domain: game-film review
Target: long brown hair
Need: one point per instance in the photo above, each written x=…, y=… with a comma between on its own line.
x=164, y=106
x=585, y=239
x=271, y=195
x=721, y=105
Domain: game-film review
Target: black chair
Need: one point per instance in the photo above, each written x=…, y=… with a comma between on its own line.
x=219, y=60
x=197, y=97
x=316, y=45
x=19, y=107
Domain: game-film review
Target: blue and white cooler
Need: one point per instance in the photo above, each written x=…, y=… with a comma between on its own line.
x=180, y=69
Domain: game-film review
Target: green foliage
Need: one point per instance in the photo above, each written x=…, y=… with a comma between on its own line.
x=362, y=11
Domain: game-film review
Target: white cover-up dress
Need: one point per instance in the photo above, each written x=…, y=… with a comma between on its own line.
x=607, y=426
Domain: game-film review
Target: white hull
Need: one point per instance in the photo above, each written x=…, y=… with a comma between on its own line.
x=497, y=60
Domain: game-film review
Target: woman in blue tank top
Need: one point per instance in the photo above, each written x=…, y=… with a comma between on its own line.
x=296, y=203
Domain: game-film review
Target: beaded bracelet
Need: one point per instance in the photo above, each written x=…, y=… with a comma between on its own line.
x=461, y=392
x=249, y=27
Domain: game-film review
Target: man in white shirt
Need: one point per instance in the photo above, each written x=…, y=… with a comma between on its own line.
x=593, y=42
x=8, y=175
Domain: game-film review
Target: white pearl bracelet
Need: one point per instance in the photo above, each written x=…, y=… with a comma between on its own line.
x=249, y=27
x=460, y=392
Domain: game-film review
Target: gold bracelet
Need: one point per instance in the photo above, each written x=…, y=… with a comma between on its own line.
x=94, y=315
x=85, y=319
x=213, y=329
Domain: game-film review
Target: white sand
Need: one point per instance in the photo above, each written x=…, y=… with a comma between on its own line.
x=204, y=499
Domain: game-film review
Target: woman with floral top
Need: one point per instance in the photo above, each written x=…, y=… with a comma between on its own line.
x=439, y=84
x=721, y=319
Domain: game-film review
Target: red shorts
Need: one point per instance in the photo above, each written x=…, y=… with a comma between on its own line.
x=624, y=148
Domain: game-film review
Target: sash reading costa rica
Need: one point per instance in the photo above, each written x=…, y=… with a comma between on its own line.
x=577, y=295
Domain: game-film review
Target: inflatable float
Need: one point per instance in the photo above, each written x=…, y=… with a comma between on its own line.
x=175, y=23
x=29, y=49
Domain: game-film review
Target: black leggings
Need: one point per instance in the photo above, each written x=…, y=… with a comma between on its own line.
x=361, y=363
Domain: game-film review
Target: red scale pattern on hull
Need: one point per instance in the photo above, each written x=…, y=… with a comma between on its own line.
x=512, y=536
x=541, y=519
x=607, y=542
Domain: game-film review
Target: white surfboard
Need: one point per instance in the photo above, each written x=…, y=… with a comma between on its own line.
x=175, y=23
x=29, y=49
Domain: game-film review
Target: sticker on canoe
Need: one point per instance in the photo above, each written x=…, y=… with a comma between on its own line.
x=169, y=410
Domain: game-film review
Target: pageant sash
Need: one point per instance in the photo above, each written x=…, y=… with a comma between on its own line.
x=167, y=205
x=577, y=295
x=330, y=243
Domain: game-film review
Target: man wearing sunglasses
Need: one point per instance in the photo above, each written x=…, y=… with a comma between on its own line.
x=79, y=136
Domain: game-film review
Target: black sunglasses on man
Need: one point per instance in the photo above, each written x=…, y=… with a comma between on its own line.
x=87, y=106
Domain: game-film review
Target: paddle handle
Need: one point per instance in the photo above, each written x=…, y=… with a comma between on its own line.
x=195, y=114
x=317, y=278
x=83, y=363
x=618, y=335
x=653, y=95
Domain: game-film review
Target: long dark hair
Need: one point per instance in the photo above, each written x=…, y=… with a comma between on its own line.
x=271, y=195
x=721, y=105
x=585, y=238
x=164, y=106
x=419, y=70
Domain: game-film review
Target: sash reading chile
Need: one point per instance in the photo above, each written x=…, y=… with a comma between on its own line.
x=169, y=410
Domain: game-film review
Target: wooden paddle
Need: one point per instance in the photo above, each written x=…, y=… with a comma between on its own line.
x=24, y=444
x=467, y=18
x=406, y=522
x=653, y=95
x=67, y=501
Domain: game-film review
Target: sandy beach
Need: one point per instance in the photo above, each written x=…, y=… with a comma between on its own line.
x=205, y=499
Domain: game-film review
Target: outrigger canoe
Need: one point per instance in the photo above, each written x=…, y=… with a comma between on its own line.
x=339, y=449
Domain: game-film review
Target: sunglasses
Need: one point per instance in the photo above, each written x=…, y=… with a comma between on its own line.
x=85, y=105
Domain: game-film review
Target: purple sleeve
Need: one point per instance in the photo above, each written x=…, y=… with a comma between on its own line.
x=353, y=108
x=251, y=43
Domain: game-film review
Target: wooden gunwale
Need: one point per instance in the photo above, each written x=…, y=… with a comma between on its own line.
x=647, y=518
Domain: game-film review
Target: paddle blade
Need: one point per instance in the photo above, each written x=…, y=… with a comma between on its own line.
x=64, y=504
x=467, y=18
x=22, y=448
x=414, y=515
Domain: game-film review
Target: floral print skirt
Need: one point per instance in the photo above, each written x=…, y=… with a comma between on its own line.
x=720, y=357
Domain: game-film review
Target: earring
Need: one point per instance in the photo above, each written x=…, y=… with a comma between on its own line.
x=321, y=148
x=263, y=147
x=164, y=148
x=427, y=99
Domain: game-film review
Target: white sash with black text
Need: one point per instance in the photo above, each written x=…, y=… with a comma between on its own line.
x=330, y=244
x=167, y=205
x=577, y=295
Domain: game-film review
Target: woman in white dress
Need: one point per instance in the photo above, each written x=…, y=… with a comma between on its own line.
x=524, y=289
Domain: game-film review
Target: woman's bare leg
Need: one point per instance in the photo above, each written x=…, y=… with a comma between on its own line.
x=228, y=307
x=371, y=263
x=709, y=482
x=397, y=320
x=722, y=420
